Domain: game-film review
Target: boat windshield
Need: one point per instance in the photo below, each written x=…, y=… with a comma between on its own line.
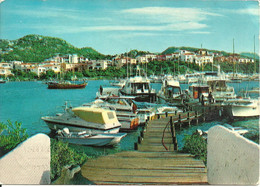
x=110, y=115
x=173, y=90
x=140, y=85
x=117, y=101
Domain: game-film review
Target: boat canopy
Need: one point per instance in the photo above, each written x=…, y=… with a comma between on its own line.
x=173, y=83
x=96, y=115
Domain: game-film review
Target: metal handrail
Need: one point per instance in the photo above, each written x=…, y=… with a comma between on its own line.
x=163, y=136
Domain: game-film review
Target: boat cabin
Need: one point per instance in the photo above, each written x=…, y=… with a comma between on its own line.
x=197, y=90
x=217, y=85
x=96, y=115
x=171, y=88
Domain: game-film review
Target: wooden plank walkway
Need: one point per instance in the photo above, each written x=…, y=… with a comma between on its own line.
x=151, y=163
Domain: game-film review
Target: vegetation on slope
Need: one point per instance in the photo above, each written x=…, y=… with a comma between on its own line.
x=37, y=48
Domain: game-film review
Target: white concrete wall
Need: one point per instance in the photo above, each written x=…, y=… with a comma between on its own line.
x=232, y=159
x=29, y=163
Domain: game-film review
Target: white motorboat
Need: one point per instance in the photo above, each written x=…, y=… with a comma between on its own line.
x=140, y=88
x=91, y=120
x=83, y=138
x=242, y=107
x=168, y=109
x=120, y=83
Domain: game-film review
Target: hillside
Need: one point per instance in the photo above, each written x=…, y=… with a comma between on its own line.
x=37, y=48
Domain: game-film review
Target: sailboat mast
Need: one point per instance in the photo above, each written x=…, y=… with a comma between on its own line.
x=254, y=56
x=233, y=57
x=126, y=64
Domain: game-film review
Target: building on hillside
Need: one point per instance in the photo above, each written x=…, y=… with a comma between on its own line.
x=160, y=57
x=141, y=59
x=73, y=59
x=187, y=57
x=5, y=72
x=181, y=51
x=245, y=60
x=79, y=67
x=175, y=56
x=55, y=68
x=99, y=64
x=202, y=52
x=38, y=70
x=168, y=57
x=6, y=69
x=145, y=58
x=26, y=67
x=124, y=60
x=6, y=65
x=203, y=59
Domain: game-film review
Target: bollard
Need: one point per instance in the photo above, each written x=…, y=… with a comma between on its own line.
x=139, y=139
x=136, y=146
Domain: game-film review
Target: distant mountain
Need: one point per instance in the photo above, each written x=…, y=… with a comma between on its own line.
x=249, y=55
x=37, y=48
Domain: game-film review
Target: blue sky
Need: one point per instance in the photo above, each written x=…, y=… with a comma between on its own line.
x=116, y=26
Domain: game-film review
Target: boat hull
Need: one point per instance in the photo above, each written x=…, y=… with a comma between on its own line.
x=95, y=140
x=77, y=127
x=243, y=111
x=142, y=97
x=66, y=86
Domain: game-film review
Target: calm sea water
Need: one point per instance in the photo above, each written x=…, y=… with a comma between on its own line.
x=27, y=102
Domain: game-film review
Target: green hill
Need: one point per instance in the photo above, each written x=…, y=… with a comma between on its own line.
x=37, y=48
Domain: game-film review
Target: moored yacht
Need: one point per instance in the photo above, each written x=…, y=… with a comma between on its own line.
x=140, y=88
x=170, y=91
x=242, y=107
x=91, y=120
x=124, y=108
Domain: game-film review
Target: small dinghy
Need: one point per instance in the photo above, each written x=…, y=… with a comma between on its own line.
x=83, y=138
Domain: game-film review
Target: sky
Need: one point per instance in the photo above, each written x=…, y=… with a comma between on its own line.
x=116, y=26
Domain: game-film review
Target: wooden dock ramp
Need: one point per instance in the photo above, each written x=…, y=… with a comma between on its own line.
x=151, y=164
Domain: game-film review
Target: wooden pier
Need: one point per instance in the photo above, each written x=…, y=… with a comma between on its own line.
x=155, y=160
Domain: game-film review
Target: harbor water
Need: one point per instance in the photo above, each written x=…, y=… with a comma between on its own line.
x=27, y=102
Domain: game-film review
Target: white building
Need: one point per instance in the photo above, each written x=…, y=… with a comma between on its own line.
x=26, y=67
x=201, y=59
x=145, y=58
x=245, y=60
x=5, y=72
x=38, y=70
x=124, y=60
x=187, y=57
x=73, y=58
x=99, y=64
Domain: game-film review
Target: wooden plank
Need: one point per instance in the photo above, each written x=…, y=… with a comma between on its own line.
x=157, y=134
x=142, y=172
x=149, y=179
x=150, y=154
x=139, y=184
x=145, y=163
x=90, y=172
x=158, y=141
